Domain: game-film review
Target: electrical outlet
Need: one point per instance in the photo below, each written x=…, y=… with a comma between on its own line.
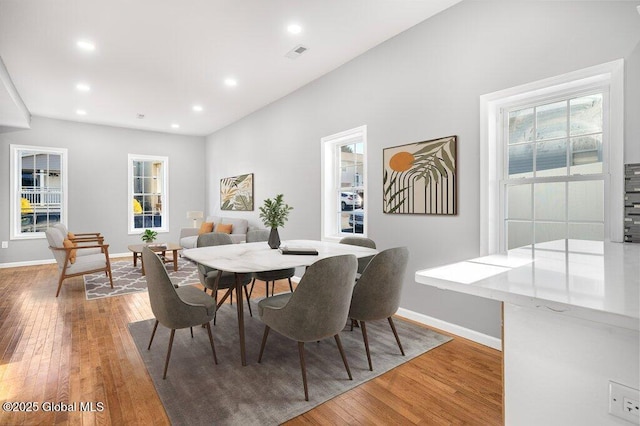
x=5, y=244
x=624, y=402
x=631, y=406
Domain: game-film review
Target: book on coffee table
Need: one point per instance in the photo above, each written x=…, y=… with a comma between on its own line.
x=298, y=250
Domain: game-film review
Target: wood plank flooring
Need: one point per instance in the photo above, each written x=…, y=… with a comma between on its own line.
x=69, y=350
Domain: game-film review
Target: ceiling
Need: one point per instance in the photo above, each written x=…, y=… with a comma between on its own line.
x=159, y=58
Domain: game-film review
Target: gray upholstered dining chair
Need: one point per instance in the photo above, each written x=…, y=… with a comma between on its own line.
x=258, y=235
x=208, y=276
x=316, y=310
x=175, y=308
x=362, y=242
x=377, y=293
x=71, y=262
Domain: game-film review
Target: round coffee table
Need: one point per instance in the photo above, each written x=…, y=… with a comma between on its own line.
x=161, y=248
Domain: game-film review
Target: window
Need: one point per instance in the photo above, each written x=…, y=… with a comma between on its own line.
x=552, y=161
x=344, y=179
x=148, y=195
x=553, y=181
x=38, y=189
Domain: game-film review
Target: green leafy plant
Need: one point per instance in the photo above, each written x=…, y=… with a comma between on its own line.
x=149, y=235
x=275, y=212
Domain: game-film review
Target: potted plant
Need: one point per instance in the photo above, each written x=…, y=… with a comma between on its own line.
x=274, y=213
x=149, y=236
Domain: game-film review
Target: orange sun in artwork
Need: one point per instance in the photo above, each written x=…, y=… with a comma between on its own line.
x=401, y=161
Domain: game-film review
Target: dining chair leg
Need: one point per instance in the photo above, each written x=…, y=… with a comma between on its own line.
x=264, y=342
x=224, y=297
x=191, y=328
x=290, y=285
x=344, y=358
x=213, y=348
x=215, y=299
x=304, y=369
x=366, y=343
x=153, y=333
x=253, y=282
x=246, y=292
x=395, y=333
x=166, y=363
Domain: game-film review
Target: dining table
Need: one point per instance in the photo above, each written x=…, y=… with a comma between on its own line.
x=247, y=258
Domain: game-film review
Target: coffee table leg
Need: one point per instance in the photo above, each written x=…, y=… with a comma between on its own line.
x=240, y=308
x=135, y=259
x=175, y=260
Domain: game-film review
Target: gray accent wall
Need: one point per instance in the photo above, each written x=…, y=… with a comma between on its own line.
x=424, y=84
x=97, y=185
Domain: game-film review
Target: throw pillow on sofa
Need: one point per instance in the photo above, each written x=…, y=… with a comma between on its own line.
x=224, y=228
x=205, y=228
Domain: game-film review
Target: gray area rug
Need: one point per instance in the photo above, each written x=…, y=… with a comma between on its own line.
x=198, y=392
x=129, y=279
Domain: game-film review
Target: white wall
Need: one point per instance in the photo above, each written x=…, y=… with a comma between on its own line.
x=97, y=167
x=424, y=84
x=557, y=368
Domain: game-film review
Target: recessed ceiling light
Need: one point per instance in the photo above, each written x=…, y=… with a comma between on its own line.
x=231, y=82
x=294, y=29
x=81, y=112
x=83, y=87
x=197, y=108
x=175, y=126
x=86, y=45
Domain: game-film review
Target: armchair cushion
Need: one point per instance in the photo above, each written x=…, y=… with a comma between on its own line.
x=90, y=262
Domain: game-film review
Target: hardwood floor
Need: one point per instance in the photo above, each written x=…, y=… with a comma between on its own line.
x=69, y=350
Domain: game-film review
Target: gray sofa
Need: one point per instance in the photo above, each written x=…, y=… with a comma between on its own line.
x=189, y=236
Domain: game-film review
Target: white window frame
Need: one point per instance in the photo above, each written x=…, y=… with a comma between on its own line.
x=165, y=192
x=330, y=166
x=15, y=179
x=608, y=77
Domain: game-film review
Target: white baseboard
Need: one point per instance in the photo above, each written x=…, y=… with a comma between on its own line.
x=26, y=263
x=483, y=339
x=49, y=261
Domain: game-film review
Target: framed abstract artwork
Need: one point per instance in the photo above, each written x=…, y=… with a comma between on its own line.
x=420, y=178
x=236, y=193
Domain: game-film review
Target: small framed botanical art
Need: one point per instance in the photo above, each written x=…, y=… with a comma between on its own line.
x=236, y=193
x=420, y=178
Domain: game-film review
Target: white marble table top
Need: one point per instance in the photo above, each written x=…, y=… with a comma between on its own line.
x=258, y=257
x=588, y=279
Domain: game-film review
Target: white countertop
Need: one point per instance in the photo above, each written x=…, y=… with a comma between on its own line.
x=258, y=257
x=587, y=279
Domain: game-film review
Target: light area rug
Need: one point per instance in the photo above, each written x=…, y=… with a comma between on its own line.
x=198, y=392
x=129, y=279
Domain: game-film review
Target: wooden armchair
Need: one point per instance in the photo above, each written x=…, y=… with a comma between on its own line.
x=70, y=261
x=80, y=238
x=87, y=238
